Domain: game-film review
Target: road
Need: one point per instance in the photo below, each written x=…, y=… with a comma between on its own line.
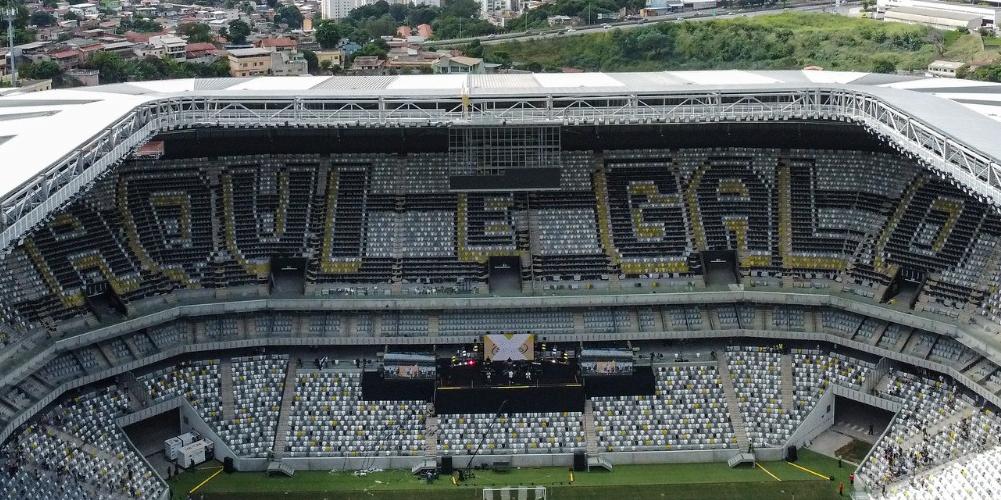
x=708, y=14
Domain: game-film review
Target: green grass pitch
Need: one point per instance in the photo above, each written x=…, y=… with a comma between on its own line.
x=675, y=481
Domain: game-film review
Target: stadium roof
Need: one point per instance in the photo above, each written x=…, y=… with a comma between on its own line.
x=38, y=131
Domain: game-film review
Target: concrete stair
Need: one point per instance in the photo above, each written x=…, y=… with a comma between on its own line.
x=138, y=397
x=940, y=426
x=226, y=388
x=590, y=433
x=288, y=396
x=431, y=428
x=732, y=404
x=578, y=322
x=82, y=445
x=788, y=399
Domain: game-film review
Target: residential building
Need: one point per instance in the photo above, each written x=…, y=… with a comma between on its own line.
x=458, y=64
x=487, y=7
x=123, y=49
x=279, y=44
x=168, y=46
x=945, y=69
x=288, y=63
x=338, y=9
x=66, y=59
x=84, y=9
x=335, y=57
x=249, y=62
x=27, y=86
x=348, y=47
x=559, y=20
x=988, y=15
x=410, y=59
x=197, y=50
x=938, y=19
x=86, y=77
x=368, y=65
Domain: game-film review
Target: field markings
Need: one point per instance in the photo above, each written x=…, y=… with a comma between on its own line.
x=804, y=469
x=205, y=481
x=767, y=472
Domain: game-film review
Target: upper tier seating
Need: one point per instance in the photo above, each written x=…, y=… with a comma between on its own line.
x=471, y=323
x=372, y=223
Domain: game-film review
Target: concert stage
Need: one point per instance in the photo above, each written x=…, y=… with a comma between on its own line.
x=514, y=398
x=640, y=383
x=523, y=386
x=376, y=388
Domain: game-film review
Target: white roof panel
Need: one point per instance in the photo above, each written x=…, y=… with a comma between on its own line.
x=576, y=80
x=167, y=86
x=34, y=142
x=428, y=82
x=37, y=143
x=832, y=76
x=931, y=83
x=989, y=111
x=279, y=83
x=728, y=77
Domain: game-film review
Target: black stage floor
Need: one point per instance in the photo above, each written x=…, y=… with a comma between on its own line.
x=509, y=399
x=640, y=383
x=375, y=388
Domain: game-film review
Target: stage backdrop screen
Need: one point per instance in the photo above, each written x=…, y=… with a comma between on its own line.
x=505, y=346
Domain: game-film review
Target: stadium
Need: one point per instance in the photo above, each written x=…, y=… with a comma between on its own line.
x=524, y=285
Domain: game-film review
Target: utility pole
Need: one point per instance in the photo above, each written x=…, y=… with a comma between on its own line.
x=11, y=12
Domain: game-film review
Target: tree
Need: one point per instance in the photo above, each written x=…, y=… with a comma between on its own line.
x=422, y=14
x=327, y=34
x=42, y=70
x=290, y=15
x=71, y=16
x=312, y=62
x=21, y=33
x=461, y=8
x=42, y=18
x=377, y=47
x=238, y=31
x=110, y=66
x=195, y=32
x=474, y=49
x=272, y=3
x=380, y=26
x=500, y=57
x=883, y=65
x=50, y=4
x=141, y=25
